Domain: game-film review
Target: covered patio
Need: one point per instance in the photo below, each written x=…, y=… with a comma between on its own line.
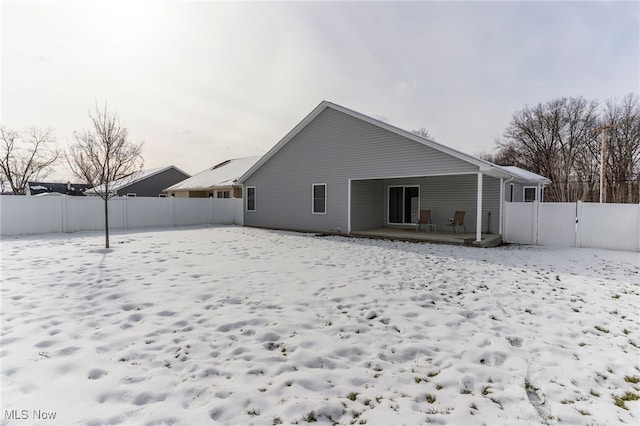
x=390, y=207
x=441, y=237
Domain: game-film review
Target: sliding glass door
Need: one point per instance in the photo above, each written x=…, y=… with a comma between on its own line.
x=404, y=203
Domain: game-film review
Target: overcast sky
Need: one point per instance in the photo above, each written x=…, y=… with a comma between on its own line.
x=202, y=82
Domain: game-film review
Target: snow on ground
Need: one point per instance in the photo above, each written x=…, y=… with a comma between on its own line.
x=233, y=325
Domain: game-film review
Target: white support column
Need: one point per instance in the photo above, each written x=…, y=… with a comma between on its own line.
x=501, y=206
x=349, y=206
x=479, y=210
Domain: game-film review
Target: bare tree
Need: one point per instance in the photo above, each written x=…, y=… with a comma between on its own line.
x=556, y=140
x=423, y=132
x=623, y=149
x=102, y=155
x=26, y=156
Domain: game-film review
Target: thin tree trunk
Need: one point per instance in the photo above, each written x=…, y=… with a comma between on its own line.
x=106, y=222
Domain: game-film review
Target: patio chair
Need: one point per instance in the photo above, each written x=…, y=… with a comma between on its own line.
x=425, y=219
x=457, y=220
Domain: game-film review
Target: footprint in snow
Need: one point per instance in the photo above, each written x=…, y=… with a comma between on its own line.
x=514, y=341
x=96, y=373
x=148, y=397
x=135, y=317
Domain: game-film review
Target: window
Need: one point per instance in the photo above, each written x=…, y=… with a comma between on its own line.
x=510, y=192
x=131, y=194
x=251, y=198
x=223, y=194
x=404, y=203
x=319, y=194
x=529, y=194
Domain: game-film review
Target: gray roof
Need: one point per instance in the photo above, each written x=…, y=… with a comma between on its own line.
x=116, y=185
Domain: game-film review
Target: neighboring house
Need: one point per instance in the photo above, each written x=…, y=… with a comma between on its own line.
x=528, y=188
x=218, y=181
x=342, y=171
x=145, y=183
x=38, y=188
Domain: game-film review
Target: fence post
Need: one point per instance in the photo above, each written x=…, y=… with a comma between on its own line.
x=212, y=207
x=536, y=220
x=638, y=236
x=578, y=228
x=173, y=211
x=64, y=213
x=125, y=213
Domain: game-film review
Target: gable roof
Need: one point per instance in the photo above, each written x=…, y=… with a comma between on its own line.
x=133, y=178
x=483, y=165
x=223, y=174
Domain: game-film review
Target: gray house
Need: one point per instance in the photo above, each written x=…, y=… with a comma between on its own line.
x=341, y=171
x=218, y=181
x=145, y=183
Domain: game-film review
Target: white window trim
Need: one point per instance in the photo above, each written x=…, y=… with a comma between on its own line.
x=535, y=193
x=389, y=198
x=255, y=201
x=313, y=186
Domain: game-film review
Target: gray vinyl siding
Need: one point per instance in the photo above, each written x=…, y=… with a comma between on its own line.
x=368, y=209
x=443, y=195
x=490, y=204
x=518, y=192
x=331, y=149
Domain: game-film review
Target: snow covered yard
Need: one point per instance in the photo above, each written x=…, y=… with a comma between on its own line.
x=234, y=325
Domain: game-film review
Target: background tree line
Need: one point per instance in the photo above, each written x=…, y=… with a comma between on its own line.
x=561, y=139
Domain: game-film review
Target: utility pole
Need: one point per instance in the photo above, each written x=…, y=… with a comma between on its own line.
x=603, y=161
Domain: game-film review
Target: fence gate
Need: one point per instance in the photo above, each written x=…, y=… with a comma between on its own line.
x=608, y=226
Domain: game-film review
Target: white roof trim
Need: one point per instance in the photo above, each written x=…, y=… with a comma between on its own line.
x=526, y=175
x=483, y=165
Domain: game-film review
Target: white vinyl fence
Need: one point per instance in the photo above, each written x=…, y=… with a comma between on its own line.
x=608, y=226
x=24, y=215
